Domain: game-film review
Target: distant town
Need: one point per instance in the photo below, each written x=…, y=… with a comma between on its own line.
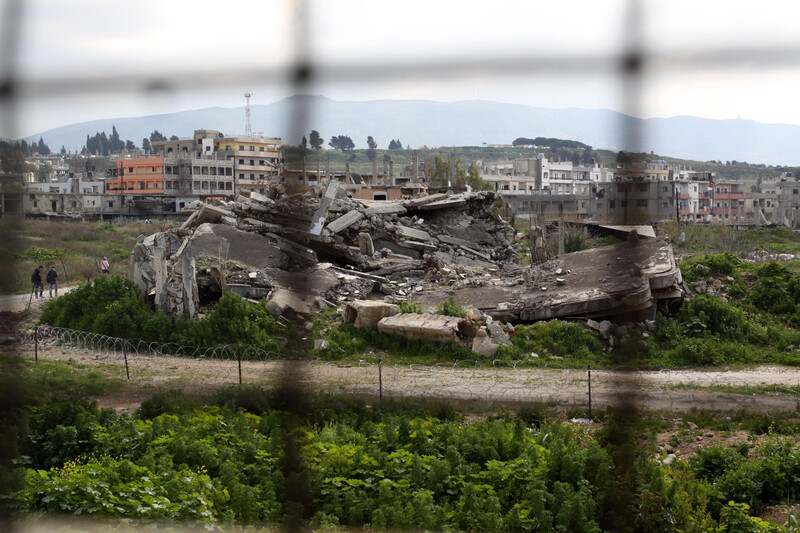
x=168, y=174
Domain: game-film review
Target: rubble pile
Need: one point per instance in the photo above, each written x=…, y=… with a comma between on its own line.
x=303, y=253
x=323, y=247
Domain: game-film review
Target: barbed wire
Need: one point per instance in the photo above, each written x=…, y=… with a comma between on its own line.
x=463, y=380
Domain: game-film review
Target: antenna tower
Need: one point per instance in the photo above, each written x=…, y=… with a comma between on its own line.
x=248, y=130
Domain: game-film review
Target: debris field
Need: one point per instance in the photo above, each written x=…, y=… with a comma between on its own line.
x=303, y=253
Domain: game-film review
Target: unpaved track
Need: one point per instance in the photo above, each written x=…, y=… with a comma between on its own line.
x=568, y=388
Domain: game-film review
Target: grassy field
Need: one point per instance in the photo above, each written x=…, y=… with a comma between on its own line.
x=75, y=248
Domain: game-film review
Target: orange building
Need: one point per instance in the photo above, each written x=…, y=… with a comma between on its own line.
x=144, y=176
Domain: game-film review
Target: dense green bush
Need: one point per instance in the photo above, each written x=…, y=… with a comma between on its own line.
x=397, y=466
x=572, y=343
x=112, y=305
x=724, y=264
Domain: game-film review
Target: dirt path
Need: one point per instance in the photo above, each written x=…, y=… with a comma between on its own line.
x=675, y=390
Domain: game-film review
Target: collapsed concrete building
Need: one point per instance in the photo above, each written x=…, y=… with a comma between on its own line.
x=303, y=253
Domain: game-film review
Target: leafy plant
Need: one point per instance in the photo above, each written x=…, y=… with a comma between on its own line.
x=451, y=308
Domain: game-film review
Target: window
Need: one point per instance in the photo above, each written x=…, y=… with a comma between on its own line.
x=252, y=176
x=241, y=147
x=612, y=204
x=252, y=162
x=241, y=161
x=260, y=148
x=262, y=162
x=35, y=203
x=110, y=204
x=241, y=175
x=252, y=148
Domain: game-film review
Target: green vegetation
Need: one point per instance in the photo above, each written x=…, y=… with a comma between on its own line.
x=450, y=307
x=112, y=306
x=222, y=459
x=719, y=238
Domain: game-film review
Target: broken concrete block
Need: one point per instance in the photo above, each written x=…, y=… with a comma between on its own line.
x=561, y=281
x=605, y=328
x=484, y=345
x=593, y=324
x=426, y=327
x=345, y=221
x=367, y=313
x=365, y=245
x=321, y=344
x=412, y=234
x=498, y=334
x=702, y=268
x=700, y=287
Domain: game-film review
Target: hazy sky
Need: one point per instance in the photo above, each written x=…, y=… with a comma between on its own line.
x=89, y=59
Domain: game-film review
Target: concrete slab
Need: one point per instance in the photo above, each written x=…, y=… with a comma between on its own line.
x=601, y=282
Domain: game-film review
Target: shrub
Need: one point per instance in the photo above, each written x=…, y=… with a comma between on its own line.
x=451, y=308
x=410, y=306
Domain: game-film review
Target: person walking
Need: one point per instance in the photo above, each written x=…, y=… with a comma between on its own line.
x=36, y=278
x=52, y=279
x=104, y=266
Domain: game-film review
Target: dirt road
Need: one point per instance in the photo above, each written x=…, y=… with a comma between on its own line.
x=674, y=390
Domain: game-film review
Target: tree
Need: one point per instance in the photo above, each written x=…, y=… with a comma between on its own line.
x=116, y=145
x=441, y=172
x=12, y=160
x=157, y=136
x=342, y=142
x=173, y=138
x=395, y=144
x=63, y=150
x=129, y=146
x=146, y=145
x=304, y=143
x=42, y=148
x=474, y=179
x=315, y=140
x=371, y=146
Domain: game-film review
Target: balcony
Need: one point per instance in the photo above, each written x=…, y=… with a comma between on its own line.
x=729, y=196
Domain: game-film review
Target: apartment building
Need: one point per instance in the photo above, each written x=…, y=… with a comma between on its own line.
x=728, y=202
x=255, y=161
x=212, y=165
x=141, y=176
x=694, y=199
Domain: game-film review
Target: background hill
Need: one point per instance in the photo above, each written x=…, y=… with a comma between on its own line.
x=469, y=123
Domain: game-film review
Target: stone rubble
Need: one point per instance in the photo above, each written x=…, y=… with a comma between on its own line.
x=303, y=253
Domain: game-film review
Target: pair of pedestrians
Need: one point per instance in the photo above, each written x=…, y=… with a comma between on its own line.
x=51, y=277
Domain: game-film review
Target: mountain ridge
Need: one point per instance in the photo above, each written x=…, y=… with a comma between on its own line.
x=463, y=123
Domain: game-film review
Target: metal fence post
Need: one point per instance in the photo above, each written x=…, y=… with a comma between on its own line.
x=36, y=343
x=380, y=380
x=125, y=356
x=589, y=371
x=239, y=358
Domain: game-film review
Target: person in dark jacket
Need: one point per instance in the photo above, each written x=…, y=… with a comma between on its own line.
x=36, y=278
x=52, y=279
